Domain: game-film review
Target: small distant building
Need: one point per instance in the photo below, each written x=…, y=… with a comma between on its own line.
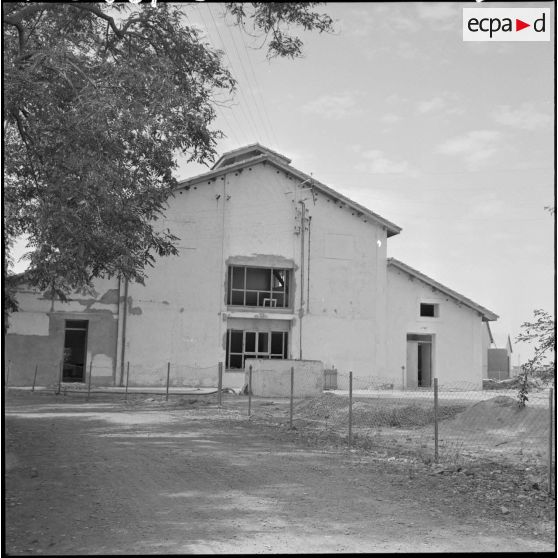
x=499, y=362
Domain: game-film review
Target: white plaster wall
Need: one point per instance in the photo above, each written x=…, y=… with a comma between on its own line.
x=457, y=347
x=485, y=347
x=180, y=313
x=29, y=323
x=345, y=326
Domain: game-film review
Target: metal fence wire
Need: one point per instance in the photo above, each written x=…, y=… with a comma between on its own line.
x=438, y=423
x=452, y=425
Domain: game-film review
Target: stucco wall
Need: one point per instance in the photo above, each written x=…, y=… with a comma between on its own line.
x=250, y=218
x=457, y=332
x=485, y=346
x=272, y=378
x=35, y=335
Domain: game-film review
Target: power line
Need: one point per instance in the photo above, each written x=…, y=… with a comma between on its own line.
x=250, y=87
x=246, y=119
x=264, y=108
x=247, y=113
x=217, y=106
x=263, y=102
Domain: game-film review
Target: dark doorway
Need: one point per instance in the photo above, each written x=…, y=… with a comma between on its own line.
x=75, y=351
x=424, y=364
x=419, y=360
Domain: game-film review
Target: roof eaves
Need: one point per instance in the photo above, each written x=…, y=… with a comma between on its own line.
x=391, y=228
x=222, y=170
x=487, y=315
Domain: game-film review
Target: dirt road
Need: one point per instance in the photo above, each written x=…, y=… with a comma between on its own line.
x=106, y=478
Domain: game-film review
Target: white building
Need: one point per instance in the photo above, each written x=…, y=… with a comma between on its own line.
x=272, y=264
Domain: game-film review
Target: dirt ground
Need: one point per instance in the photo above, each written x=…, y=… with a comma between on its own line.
x=149, y=477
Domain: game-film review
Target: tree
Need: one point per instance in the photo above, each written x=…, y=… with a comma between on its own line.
x=541, y=332
x=98, y=100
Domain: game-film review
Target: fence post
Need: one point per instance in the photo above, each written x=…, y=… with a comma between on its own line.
x=292, y=394
x=550, y=404
x=403, y=378
x=220, y=383
x=436, y=420
x=250, y=390
x=60, y=377
x=127, y=378
x=168, y=378
x=9, y=367
x=350, y=409
x=35, y=377
x=89, y=383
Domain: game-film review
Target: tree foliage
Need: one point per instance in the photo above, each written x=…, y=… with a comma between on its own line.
x=98, y=101
x=542, y=333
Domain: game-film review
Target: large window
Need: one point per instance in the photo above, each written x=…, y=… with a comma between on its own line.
x=254, y=344
x=258, y=286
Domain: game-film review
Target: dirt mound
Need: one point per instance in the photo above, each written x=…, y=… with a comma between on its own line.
x=398, y=414
x=502, y=413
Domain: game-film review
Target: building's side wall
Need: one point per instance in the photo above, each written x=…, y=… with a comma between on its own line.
x=485, y=346
x=498, y=364
x=35, y=337
x=344, y=320
x=457, y=332
x=252, y=218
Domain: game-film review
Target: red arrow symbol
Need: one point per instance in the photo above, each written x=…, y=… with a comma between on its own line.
x=519, y=25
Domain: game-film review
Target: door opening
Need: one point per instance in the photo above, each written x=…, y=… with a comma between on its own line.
x=75, y=351
x=419, y=360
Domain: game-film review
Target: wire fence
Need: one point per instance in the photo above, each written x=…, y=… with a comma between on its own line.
x=451, y=424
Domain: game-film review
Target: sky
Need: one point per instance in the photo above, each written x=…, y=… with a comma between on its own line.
x=450, y=140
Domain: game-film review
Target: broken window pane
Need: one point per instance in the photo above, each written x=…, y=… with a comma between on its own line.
x=278, y=279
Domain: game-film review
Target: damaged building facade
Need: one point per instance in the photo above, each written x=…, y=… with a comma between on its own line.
x=272, y=264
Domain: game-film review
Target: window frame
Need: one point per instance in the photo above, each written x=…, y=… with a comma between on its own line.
x=258, y=352
x=274, y=294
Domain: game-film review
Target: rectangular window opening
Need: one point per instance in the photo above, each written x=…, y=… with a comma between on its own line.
x=252, y=344
x=258, y=287
x=428, y=310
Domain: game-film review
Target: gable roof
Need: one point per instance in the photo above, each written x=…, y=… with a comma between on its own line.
x=256, y=153
x=486, y=314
